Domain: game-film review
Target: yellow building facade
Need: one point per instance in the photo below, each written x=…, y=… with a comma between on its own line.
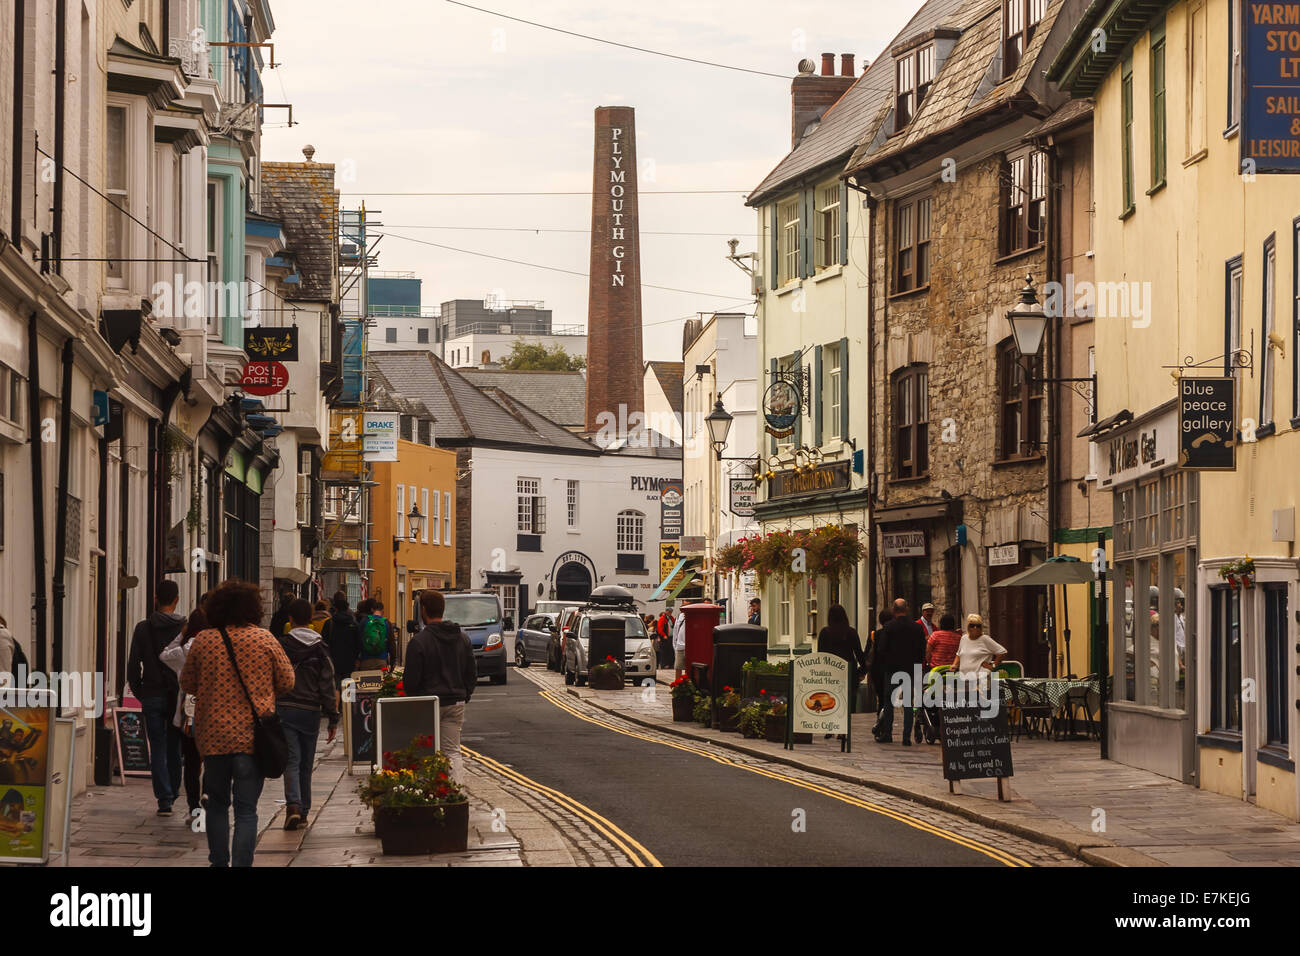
x=1196, y=258
x=423, y=477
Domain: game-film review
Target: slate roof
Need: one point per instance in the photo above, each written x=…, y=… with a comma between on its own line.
x=560, y=396
x=301, y=197
x=466, y=414
x=968, y=84
x=841, y=127
x=669, y=376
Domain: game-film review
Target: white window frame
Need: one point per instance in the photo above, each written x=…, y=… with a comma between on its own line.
x=571, y=493
x=436, y=519
x=829, y=217
x=446, y=517
x=831, y=366
x=424, y=508
x=401, y=510
x=630, y=532
x=1234, y=67
x=214, y=239
x=526, y=494
x=130, y=195
x=1268, y=365
x=787, y=215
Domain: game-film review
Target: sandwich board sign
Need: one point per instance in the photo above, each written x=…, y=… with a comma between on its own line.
x=975, y=745
x=819, y=698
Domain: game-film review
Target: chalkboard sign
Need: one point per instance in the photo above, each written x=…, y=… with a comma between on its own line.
x=132, y=742
x=360, y=730
x=401, y=719
x=975, y=745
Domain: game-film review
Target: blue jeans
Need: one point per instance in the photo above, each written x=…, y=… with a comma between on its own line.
x=887, y=718
x=164, y=749
x=222, y=775
x=301, y=728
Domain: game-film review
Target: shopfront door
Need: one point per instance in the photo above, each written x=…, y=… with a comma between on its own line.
x=1015, y=620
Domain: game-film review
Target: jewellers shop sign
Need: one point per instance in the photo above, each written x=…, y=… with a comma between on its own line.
x=1207, y=428
x=823, y=478
x=266, y=344
x=1270, y=120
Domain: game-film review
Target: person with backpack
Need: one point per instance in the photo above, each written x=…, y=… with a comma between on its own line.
x=343, y=638
x=319, y=616
x=11, y=652
x=235, y=669
x=300, y=709
x=375, y=641
x=155, y=686
x=393, y=657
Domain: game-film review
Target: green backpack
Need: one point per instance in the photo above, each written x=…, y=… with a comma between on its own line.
x=374, y=637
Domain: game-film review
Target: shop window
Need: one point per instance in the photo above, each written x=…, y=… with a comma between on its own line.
x=914, y=74
x=912, y=245
x=1020, y=404
x=1019, y=20
x=912, y=582
x=1225, y=659
x=1024, y=201
x=1276, y=672
x=911, y=422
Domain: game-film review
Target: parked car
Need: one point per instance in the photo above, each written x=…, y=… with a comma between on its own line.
x=610, y=609
x=479, y=615
x=534, y=639
x=555, y=650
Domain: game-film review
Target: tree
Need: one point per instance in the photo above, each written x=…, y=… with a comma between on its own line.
x=525, y=357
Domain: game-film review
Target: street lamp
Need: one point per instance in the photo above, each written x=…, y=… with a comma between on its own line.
x=414, y=522
x=719, y=422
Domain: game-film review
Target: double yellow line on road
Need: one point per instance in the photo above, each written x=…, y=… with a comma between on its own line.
x=634, y=851
x=1000, y=856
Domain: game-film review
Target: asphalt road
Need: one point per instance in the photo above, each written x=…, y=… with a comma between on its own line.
x=685, y=808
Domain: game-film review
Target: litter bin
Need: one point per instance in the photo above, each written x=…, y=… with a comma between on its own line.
x=733, y=644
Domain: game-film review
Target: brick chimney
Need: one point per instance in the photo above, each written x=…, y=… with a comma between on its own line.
x=812, y=95
x=846, y=64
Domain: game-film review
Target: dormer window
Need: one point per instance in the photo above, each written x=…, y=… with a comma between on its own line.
x=914, y=74
x=1019, y=19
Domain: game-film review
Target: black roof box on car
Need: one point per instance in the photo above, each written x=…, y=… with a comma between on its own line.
x=611, y=595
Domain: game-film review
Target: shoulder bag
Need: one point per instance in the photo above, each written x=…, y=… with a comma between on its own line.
x=270, y=748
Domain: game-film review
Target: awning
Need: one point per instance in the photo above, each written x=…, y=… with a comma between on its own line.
x=687, y=581
x=663, y=585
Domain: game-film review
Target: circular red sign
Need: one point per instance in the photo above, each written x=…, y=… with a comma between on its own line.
x=264, y=378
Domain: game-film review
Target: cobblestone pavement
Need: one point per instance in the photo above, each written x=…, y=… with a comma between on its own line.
x=1030, y=851
x=1063, y=794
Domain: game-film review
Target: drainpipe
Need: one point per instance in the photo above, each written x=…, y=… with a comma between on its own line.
x=60, y=521
x=38, y=485
x=870, y=469
x=103, y=738
x=60, y=115
x=16, y=189
x=1056, y=328
x=160, y=471
x=151, y=517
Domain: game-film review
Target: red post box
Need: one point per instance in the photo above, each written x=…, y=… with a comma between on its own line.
x=701, y=619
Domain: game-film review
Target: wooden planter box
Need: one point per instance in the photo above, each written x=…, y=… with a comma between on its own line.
x=606, y=679
x=776, y=685
x=683, y=710
x=417, y=831
x=775, y=729
x=726, y=719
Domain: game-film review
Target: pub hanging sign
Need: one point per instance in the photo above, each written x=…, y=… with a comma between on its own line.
x=270, y=344
x=1207, y=429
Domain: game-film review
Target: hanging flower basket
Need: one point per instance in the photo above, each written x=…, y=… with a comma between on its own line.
x=829, y=551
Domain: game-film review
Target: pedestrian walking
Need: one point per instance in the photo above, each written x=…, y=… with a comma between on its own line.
x=663, y=635
x=155, y=686
x=977, y=651
x=319, y=616
x=899, y=649
x=375, y=637
x=839, y=637
x=236, y=670
x=11, y=655
x=343, y=637
x=679, y=646
x=440, y=660
x=394, y=658
x=926, y=620
x=873, y=672
x=174, y=657
x=280, y=619
x=300, y=710
x=941, y=646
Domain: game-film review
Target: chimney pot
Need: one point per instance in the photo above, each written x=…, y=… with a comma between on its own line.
x=828, y=64
x=846, y=64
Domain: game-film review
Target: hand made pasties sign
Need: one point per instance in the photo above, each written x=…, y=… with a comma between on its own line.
x=819, y=694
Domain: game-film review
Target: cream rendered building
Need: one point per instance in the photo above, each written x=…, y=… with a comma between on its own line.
x=1205, y=682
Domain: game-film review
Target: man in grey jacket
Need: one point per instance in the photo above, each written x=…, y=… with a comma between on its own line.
x=440, y=660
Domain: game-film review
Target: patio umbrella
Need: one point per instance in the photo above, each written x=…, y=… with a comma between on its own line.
x=1062, y=569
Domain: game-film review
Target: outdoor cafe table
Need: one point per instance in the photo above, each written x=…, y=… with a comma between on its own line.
x=1055, y=689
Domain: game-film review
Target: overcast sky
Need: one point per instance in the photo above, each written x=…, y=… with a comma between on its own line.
x=426, y=96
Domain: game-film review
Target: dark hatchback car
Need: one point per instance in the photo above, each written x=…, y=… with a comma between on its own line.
x=535, y=640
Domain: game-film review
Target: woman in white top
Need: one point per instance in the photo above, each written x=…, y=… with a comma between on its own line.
x=977, y=651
